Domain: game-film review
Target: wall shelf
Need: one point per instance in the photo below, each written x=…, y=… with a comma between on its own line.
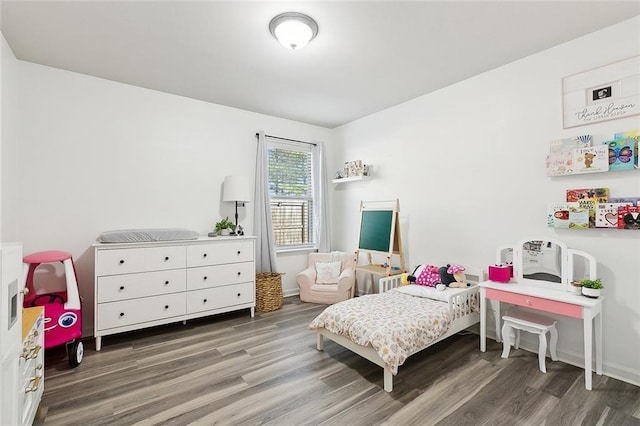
x=350, y=179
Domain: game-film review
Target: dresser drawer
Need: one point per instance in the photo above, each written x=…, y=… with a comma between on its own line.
x=126, y=261
x=136, y=311
x=219, y=297
x=213, y=276
x=129, y=286
x=562, y=308
x=221, y=253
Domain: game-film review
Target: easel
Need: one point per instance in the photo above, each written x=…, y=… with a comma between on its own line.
x=380, y=234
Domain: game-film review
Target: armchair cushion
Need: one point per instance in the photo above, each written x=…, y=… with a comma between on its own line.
x=328, y=272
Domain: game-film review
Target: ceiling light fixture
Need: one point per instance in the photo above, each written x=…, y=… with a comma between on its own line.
x=293, y=30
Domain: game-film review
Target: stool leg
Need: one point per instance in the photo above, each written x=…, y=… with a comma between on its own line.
x=517, y=344
x=542, y=351
x=553, y=342
x=506, y=340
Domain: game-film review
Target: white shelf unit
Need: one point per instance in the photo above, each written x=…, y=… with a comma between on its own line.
x=350, y=179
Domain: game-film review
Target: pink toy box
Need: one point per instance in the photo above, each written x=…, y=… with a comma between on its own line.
x=500, y=273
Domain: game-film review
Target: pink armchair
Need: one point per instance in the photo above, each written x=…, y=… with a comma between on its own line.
x=335, y=287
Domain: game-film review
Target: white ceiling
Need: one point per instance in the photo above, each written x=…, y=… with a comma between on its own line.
x=368, y=55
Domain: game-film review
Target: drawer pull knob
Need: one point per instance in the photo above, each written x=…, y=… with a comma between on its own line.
x=205, y=278
x=238, y=252
x=204, y=301
x=166, y=306
x=238, y=294
x=528, y=302
x=121, y=314
x=121, y=287
x=166, y=283
x=204, y=255
x=239, y=273
x=122, y=261
x=166, y=258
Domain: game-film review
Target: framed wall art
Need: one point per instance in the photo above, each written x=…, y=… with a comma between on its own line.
x=605, y=93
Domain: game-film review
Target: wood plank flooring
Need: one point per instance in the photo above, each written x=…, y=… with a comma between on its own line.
x=235, y=370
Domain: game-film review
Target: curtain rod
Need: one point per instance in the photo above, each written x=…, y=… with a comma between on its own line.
x=285, y=139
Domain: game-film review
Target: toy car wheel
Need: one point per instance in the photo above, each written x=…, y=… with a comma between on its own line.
x=75, y=351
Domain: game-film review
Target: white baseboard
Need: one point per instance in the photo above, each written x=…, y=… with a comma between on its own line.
x=612, y=370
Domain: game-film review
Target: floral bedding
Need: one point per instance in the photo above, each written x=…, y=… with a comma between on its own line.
x=396, y=325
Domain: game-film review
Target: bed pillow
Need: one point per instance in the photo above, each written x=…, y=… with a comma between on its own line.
x=429, y=292
x=328, y=272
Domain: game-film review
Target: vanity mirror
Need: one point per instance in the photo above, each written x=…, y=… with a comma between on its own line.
x=548, y=262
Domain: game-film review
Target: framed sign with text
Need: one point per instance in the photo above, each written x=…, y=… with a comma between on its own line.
x=605, y=93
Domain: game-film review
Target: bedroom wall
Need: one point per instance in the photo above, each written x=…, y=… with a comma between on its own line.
x=8, y=133
x=98, y=155
x=467, y=163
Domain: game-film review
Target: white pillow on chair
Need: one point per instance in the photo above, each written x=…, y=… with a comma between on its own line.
x=328, y=272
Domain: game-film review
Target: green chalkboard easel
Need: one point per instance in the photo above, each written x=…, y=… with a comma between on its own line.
x=380, y=234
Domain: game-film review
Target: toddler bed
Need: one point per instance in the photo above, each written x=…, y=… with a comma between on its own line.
x=388, y=327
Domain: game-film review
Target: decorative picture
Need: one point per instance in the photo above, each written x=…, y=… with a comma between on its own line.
x=605, y=93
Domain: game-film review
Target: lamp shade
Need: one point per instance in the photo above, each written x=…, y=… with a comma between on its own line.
x=236, y=188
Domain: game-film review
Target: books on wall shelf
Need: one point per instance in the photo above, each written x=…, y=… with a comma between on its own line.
x=593, y=208
x=587, y=198
x=579, y=155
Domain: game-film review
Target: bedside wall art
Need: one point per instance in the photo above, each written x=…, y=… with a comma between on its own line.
x=605, y=93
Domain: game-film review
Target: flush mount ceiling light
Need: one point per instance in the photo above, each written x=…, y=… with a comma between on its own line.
x=293, y=30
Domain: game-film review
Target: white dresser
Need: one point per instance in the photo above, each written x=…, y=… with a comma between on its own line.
x=31, y=363
x=140, y=285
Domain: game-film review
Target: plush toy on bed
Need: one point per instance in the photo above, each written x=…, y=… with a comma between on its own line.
x=453, y=276
x=426, y=275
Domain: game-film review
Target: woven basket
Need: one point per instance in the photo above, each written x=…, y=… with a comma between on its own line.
x=268, y=291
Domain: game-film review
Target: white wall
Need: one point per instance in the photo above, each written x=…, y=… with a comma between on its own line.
x=97, y=155
x=8, y=133
x=467, y=163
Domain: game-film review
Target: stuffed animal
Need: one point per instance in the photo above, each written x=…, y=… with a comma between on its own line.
x=426, y=275
x=453, y=276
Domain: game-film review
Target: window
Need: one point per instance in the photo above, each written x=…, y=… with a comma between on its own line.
x=291, y=193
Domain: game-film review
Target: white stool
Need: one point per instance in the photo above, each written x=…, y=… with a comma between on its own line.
x=537, y=324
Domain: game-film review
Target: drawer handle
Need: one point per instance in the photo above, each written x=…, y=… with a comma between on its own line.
x=166, y=307
x=239, y=273
x=121, y=314
x=122, y=261
x=204, y=301
x=204, y=255
x=166, y=283
x=528, y=302
x=33, y=354
x=166, y=258
x=238, y=294
x=33, y=384
x=121, y=287
x=205, y=278
x=238, y=252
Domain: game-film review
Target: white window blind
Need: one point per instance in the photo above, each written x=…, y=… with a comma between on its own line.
x=291, y=193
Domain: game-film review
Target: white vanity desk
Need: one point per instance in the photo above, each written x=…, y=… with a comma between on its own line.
x=551, y=297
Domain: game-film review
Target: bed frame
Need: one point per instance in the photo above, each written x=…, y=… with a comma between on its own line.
x=461, y=318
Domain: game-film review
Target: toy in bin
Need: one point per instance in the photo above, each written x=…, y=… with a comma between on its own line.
x=500, y=273
x=62, y=310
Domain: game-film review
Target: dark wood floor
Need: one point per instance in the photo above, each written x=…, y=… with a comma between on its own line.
x=236, y=370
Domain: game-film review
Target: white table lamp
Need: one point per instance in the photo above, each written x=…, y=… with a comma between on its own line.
x=236, y=189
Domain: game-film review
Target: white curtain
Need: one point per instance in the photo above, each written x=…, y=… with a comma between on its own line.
x=266, y=260
x=321, y=197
